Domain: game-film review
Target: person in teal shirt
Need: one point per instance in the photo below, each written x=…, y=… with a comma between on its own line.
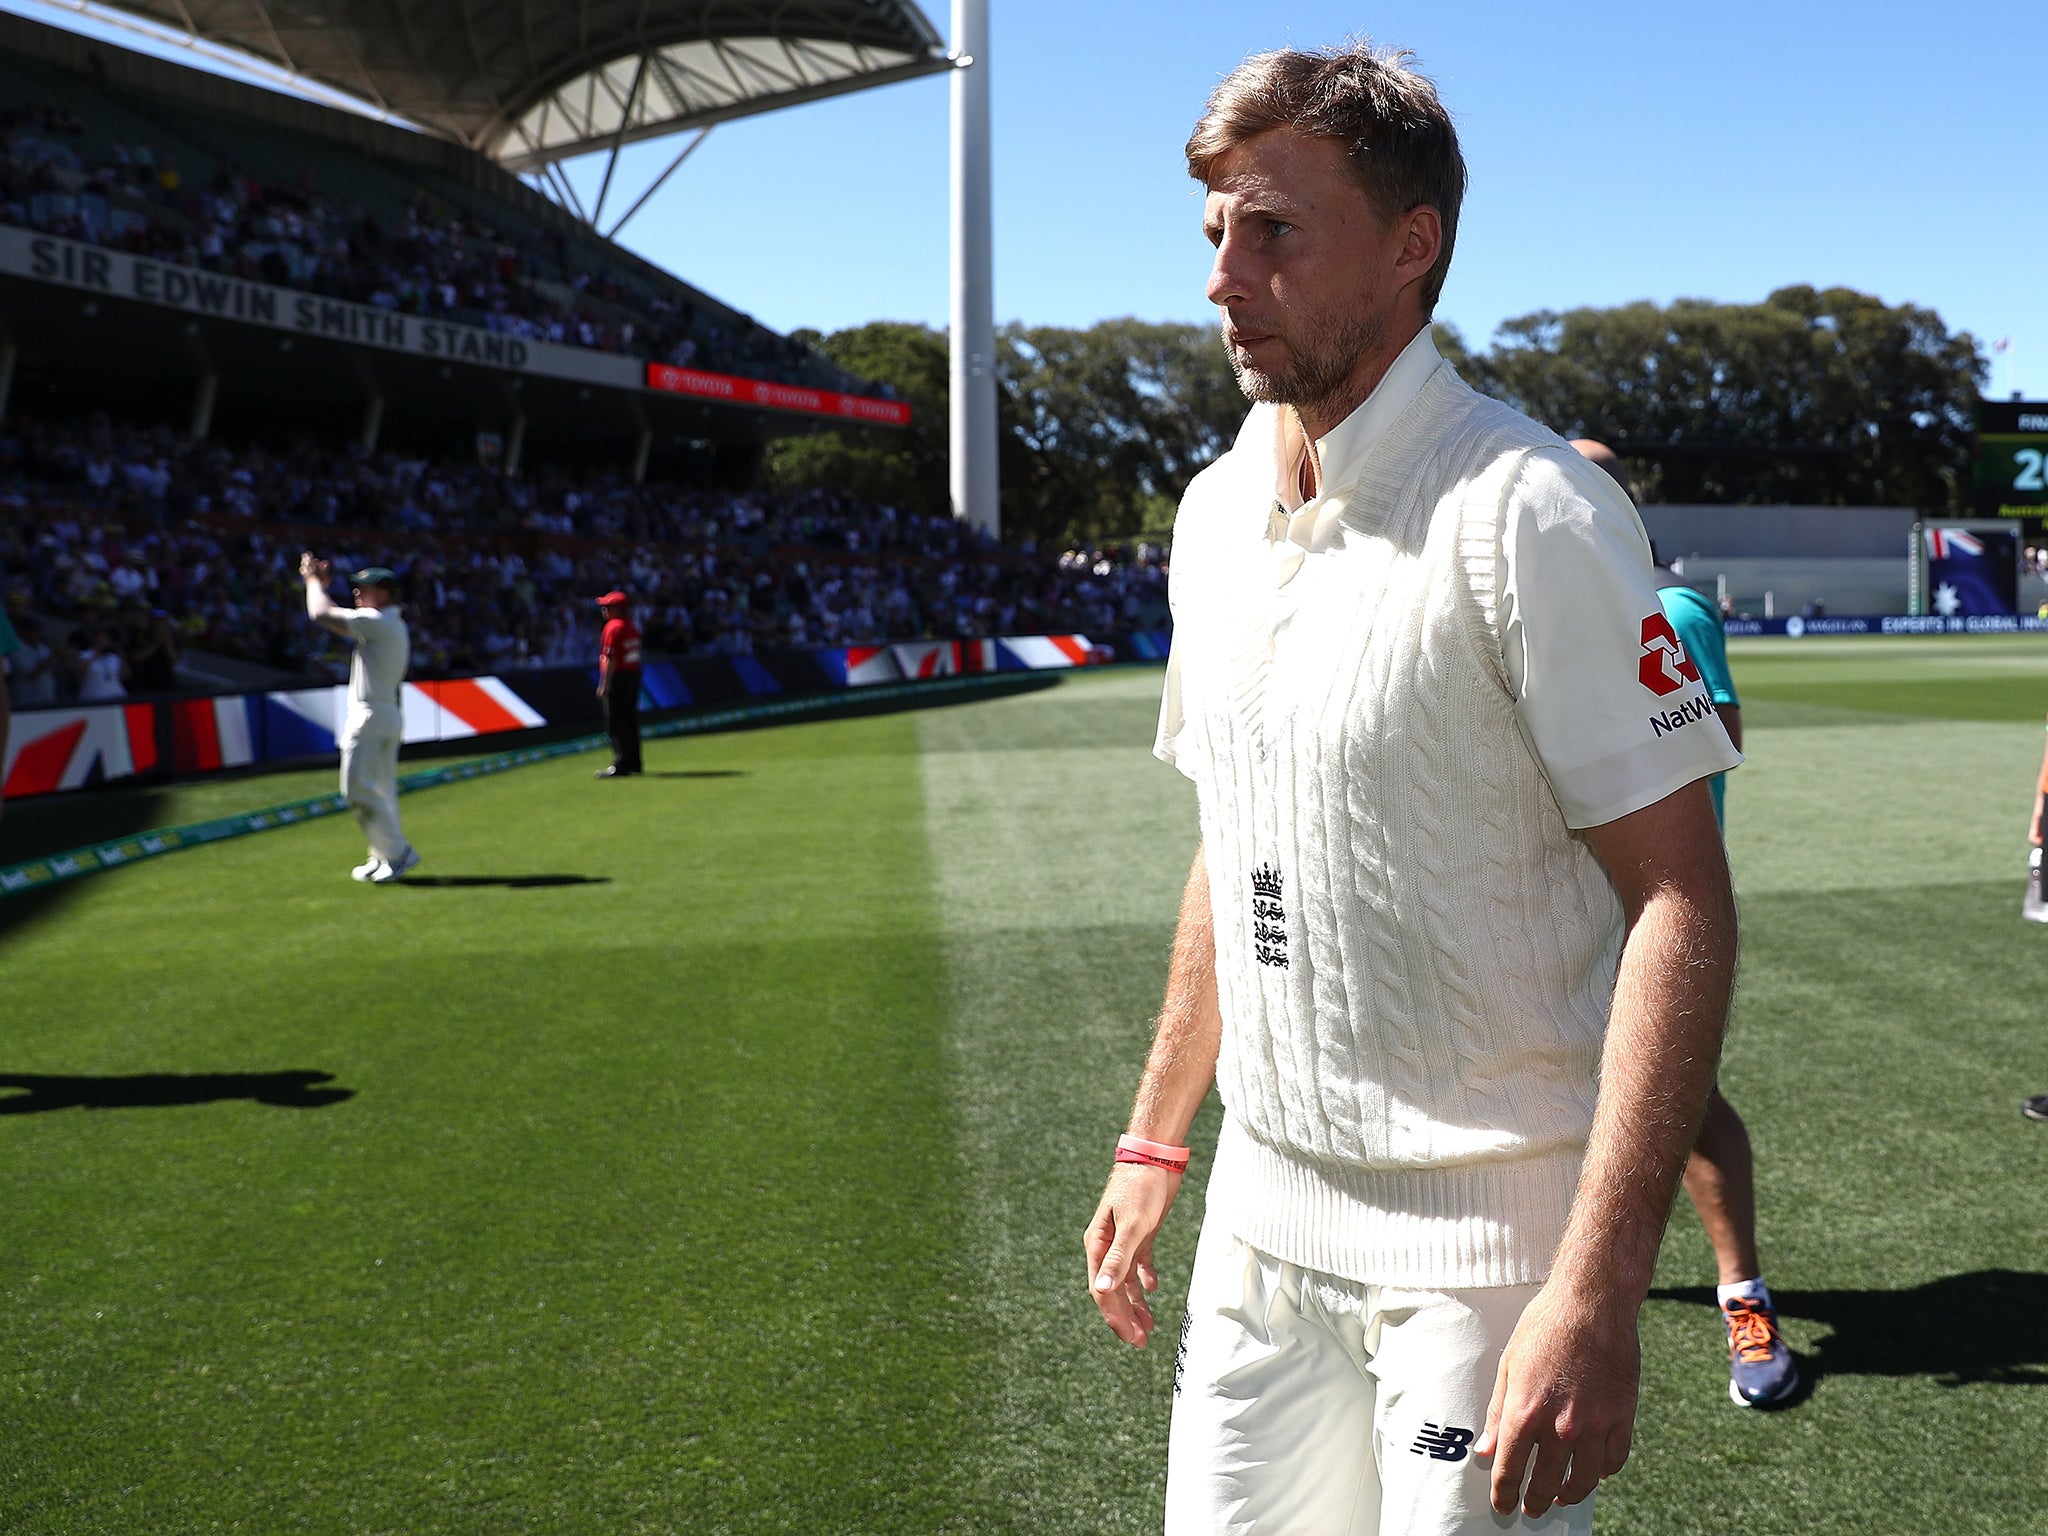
x=1720, y=1177
x=1698, y=623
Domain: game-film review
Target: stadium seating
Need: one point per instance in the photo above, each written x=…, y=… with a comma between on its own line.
x=138, y=530
x=162, y=178
x=107, y=524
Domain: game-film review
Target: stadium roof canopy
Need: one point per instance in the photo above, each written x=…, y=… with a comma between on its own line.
x=535, y=81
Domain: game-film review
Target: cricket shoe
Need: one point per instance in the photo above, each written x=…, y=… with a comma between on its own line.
x=1761, y=1370
x=408, y=861
x=366, y=871
x=2035, y=1108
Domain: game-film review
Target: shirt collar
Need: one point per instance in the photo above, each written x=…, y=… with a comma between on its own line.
x=1343, y=451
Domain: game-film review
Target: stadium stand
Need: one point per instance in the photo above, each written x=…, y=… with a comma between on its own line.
x=158, y=180
x=107, y=526
x=366, y=320
x=279, y=266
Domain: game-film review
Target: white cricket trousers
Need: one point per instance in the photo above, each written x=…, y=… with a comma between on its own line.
x=1307, y=1405
x=369, y=781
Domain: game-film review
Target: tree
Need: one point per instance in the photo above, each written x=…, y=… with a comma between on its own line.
x=1103, y=428
x=1826, y=397
x=901, y=466
x=1100, y=429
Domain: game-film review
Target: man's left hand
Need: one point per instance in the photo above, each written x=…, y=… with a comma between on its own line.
x=1565, y=1395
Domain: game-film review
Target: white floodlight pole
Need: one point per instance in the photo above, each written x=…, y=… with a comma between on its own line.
x=976, y=498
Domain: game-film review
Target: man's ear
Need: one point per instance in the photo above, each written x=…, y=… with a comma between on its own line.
x=1422, y=241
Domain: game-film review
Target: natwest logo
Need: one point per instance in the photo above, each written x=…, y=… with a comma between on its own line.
x=1664, y=667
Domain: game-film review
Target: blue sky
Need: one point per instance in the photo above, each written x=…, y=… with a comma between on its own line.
x=1617, y=152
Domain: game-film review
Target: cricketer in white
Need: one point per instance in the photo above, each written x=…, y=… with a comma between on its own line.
x=374, y=727
x=1458, y=946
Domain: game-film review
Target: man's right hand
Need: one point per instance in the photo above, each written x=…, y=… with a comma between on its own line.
x=1118, y=1243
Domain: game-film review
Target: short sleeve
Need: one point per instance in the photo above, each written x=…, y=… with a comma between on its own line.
x=359, y=622
x=1193, y=592
x=1610, y=704
x=1166, y=744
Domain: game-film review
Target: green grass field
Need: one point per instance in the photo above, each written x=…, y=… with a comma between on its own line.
x=732, y=1179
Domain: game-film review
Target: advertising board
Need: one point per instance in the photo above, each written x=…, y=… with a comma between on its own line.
x=2012, y=458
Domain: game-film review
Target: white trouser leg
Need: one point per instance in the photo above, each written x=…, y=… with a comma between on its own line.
x=1433, y=1356
x=369, y=783
x=1307, y=1405
x=1272, y=1408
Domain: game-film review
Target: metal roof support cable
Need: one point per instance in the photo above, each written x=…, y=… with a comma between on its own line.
x=611, y=163
x=565, y=190
x=681, y=155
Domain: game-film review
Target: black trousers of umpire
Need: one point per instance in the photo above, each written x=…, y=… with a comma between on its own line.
x=622, y=720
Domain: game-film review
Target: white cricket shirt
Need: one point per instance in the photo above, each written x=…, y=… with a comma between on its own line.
x=1399, y=700
x=376, y=673
x=1574, y=571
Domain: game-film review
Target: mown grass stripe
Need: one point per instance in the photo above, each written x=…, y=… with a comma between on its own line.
x=1060, y=846
x=642, y=1216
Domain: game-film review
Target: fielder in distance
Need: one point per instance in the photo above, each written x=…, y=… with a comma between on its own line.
x=374, y=725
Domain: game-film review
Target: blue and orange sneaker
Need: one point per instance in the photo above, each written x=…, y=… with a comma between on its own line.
x=1761, y=1370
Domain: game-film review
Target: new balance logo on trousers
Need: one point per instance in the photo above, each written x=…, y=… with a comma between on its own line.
x=1443, y=1443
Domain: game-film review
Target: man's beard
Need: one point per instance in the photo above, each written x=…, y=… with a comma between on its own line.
x=1318, y=372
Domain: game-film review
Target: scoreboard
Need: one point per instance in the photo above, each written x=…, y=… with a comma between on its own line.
x=2012, y=458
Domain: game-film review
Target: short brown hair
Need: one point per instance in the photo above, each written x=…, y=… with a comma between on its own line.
x=1372, y=101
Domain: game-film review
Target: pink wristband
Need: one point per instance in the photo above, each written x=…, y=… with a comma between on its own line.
x=1128, y=1142
x=1156, y=1154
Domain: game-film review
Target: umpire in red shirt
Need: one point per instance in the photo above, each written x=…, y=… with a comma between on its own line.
x=618, y=684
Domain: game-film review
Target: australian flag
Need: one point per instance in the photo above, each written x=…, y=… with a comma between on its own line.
x=1971, y=572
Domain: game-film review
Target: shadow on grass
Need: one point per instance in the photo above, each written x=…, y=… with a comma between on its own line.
x=1990, y=1325
x=35, y=1093
x=693, y=773
x=510, y=882
x=35, y=829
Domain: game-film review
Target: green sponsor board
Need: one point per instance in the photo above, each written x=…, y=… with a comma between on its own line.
x=2012, y=458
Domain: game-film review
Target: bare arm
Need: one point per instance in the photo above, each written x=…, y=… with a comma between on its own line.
x=1731, y=721
x=1566, y=1390
x=1182, y=1065
x=1178, y=1074
x=321, y=608
x=2040, y=790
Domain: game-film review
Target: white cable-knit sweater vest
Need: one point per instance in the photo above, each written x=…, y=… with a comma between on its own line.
x=1415, y=957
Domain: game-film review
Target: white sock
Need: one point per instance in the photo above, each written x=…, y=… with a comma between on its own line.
x=1748, y=1290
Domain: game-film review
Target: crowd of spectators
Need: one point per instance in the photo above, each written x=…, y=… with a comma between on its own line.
x=432, y=259
x=137, y=543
